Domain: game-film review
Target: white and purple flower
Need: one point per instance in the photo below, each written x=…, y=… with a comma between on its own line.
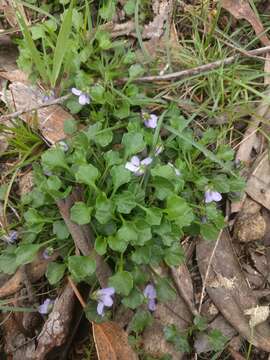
x=63, y=145
x=11, y=237
x=104, y=298
x=150, y=120
x=151, y=295
x=138, y=166
x=159, y=149
x=46, y=306
x=84, y=98
x=211, y=195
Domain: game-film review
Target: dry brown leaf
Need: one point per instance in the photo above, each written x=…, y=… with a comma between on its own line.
x=257, y=315
x=174, y=312
x=233, y=301
x=241, y=9
x=50, y=119
x=155, y=28
x=56, y=329
x=112, y=342
x=258, y=185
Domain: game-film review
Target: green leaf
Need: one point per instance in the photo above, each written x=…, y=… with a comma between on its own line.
x=122, y=281
x=32, y=217
x=179, y=211
x=26, y=253
x=142, y=255
x=120, y=176
x=8, y=263
x=178, y=339
x=60, y=230
x=55, y=272
x=104, y=138
x=54, y=183
x=174, y=255
x=107, y=11
x=81, y=267
x=123, y=110
x=3, y=191
x=140, y=277
x=104, y=209
x=163, y=188
x=140, y=321
x=129, y=7
x=165, y=292
x=136, y=70
x=80, y=213
x=54, y=158
x=153, y=215
x=97, y=94
x=112, y=158
x=209, y=231
x=164, y=171
x=70, y=126
x=127, y=233
x=200, y=323
x=100, y=245
x=104, y=40
x=134, y=300
x=117, y=243
x=133, y=142
x=237, y=184
x=221, y=184
x=125, y=202
x=143, y=231
x=62, y=45
x=217, y=340
x=87, y=174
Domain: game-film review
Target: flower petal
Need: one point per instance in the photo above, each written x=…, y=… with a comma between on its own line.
x=216, y=196
x=45, y=307
x=152, y=304
x=107, y=300
x=84, y=99
x=147, y=161
x=106, y=291
x=133, y=168
x=100, y=308
x=63, y=145
x=76, y=92
x=159, y=149
x=150, y=292
x=151, y=122
x=208, y=196
x=135, y=160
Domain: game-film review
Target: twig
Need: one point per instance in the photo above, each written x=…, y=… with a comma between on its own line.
x=35, y=108
x=200, y=69
x=208, y=270
x=76, y=292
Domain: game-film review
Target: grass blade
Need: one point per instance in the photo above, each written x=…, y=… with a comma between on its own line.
x=61, y=45
x=32, y=47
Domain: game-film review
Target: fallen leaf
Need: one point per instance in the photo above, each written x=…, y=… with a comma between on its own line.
x=155, y=28
x=174, y=312
x=112, y=342
x=231, y=302
x=257, y=315
x=241, y=9
x=56, y=328
x=258, y=185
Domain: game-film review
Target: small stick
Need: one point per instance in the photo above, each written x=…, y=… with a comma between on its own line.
x=199, y=69
x=35, y=108
x=76, y=292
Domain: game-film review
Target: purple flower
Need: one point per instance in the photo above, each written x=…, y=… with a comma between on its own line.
x=177, y=172
x=150, y=120
x=104, y=298
x=137, y=166
x=46, y=306
x=63, y=145
x=83, y=97
x=47, y=253
x=10, y=237
x=211, y=195
x=151, y=294
x=49, y=96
